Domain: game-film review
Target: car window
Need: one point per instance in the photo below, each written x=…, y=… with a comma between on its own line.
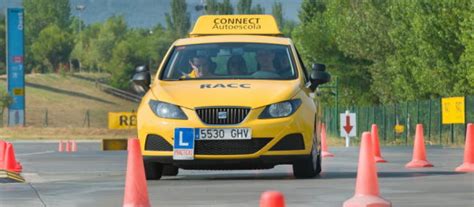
x=230, y=61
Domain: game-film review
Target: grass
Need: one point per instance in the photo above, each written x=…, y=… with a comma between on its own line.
x=57, y=106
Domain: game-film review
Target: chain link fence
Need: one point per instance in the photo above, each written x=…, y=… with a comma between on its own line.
x=407, y=114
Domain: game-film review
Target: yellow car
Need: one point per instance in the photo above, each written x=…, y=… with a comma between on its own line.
x=234, y=95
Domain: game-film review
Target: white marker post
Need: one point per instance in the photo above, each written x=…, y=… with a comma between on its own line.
x=347, y=133
x=348, y=126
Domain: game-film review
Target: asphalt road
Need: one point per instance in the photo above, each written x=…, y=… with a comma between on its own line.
x=91, y=177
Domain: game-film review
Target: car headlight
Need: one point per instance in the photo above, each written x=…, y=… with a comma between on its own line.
x=282, y=109
x=166, y=110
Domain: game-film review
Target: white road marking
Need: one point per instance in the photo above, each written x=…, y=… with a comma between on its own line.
x=34, y=153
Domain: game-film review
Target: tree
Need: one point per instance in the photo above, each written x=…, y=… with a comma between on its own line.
x=226, y=7
x=466, y=64
x=310, y=8
x=52, y=47
x=109, y=35
x=258, y=9
x=2, y=45
x=41, y=13
x=84, y=48
x=390, y=51
x=178, y=21
x=277, y=12
x=5, y=101
x=244, y=7
x=212, y=7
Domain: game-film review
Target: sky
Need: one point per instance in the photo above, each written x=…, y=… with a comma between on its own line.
x=149, y=13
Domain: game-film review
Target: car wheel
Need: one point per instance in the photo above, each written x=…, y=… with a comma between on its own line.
x=153, y=170
x=308, y=167
x=170, y=170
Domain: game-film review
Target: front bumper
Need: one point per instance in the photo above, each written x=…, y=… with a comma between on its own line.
x=267, y=136
x=263, y=162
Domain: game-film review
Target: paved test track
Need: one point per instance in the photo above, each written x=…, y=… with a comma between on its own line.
x=91, y=177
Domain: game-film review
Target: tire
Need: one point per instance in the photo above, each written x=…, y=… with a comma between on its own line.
x=308, y=167
x=153, y=170
x=170, y=170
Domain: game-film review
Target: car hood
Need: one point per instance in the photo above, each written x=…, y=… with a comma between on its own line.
x=246, y=93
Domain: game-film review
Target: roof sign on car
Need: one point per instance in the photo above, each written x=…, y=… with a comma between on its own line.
x=235, y=25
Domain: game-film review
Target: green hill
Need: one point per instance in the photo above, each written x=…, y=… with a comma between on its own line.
x=62, y=101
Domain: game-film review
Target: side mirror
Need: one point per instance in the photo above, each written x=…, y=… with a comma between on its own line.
x=318, y=76
x=141, y=79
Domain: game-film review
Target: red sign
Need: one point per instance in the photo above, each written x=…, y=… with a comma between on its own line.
x=18, y=59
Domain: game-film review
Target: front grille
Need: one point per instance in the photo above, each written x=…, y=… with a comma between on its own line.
x=215, y=115
x=229, y=147
x=157, y=143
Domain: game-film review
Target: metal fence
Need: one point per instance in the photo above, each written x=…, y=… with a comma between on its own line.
x=73, y=118
x=408, y=114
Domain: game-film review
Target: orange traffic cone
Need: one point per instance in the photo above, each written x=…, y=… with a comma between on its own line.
x=375, y=142
x=367, y=186
x=324, y=147
x=10, y=161
x=68, y=146
x=419, y=153
x=74, y=146
x=60, y=146
x=468, y=165
x=3, y=146
x=272, y=199
x=136, y=192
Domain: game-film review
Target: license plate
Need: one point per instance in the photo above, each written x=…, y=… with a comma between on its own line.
x=224, y=134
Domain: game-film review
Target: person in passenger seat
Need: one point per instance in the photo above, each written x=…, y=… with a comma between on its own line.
x=236, y=65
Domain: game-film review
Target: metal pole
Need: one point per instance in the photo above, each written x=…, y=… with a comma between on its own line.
x=452, y=133
x=357, y=116
x=374, y=120
x=88, y=119
x=440, y=123
x=417, y=112
x=46, y=118
x=407, y=134
x=368, y=118
x=347, y=134
x=396, y=115
x=384, y=123
x=465, y=117
x=429, y=123
x=336, y=117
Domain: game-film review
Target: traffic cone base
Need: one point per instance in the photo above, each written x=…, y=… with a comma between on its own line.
x=68, y=146
x=419, y=152
x=324, y=147
x=136, y=191
x=379, y=159
x=375, y=144
x=60, y=146
x=10, y=163
x=466, y=167
x=367, y=201
x=272, y=199
x=468, y=164
x=419, y=164
x=327, y=154
x=367, y=188
x=74, y=146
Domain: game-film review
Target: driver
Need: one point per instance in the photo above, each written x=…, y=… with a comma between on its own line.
x=201, y=67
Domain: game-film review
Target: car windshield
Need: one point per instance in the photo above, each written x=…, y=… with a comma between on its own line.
x=230, y=61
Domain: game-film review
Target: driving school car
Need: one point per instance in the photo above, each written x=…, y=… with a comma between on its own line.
x=234, y=95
